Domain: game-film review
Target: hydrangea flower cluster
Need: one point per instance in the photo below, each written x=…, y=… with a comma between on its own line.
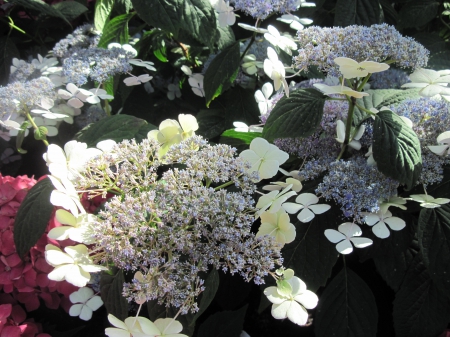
x=379, y=43
x=83, y=37
x=260, y=9
x=390, y=79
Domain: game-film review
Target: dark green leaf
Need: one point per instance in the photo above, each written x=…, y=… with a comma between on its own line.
x=41, y=7
x=295, y=116
x=117, y=128
x=221, y=72
x=360, y=12
x=417, y=13
x=123, y=6
x=396, y=149
x=115, y=30
x=143, y=131
x=434, y=241
x=212, y=123
x=390, y=14
x=103, y=10
x=234, y=138
x=311, y=255
x=223, y=324
x=111, y=287
x=8, y=51
x=346, y=308
x=432, y=41
x=70, y=9
x=420, y=310
x=33, y=216
x=441, y=189
x=226, y=37
x=211, y=286
x=196, y=17
x=439, y=60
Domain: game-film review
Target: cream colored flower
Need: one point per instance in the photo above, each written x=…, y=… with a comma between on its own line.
x=351, y=68
x=79, y=229
x=277, y=225
x=339, y=89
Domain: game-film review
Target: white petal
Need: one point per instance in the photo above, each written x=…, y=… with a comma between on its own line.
x=334, y=236
x=291, y=207
x=297, y=314
x=395, y=223
x=350, y=229
x=361, y=242
x=344, y=247
x=94, y=303
x=279, y=311
x=75, y=309
x=308, y=299
x=305, y=215
x=380, y=230
x=307, y=199
x=86, y=313
x=273, y=295
x=319, y=209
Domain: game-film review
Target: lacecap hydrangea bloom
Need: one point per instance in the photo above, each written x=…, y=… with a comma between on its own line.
x=378, y=43
x=260, y=9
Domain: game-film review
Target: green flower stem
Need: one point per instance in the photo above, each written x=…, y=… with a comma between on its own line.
x=30, y=119
x=363, y=83
x=365, y=110
x=107, y=107
x=224, y=185
x=251, y=41
x=348, y=126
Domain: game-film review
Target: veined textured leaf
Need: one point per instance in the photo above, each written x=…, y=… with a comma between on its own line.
x=434, y=241
x=33, y=216
x=103, y=9
x=396, y=149
x=311, y=255
x=295, y=116
x=359, y=12
x=196, y=17
x=41, y=7
x=417, y=13
x=115, y=30
x=70, y=9
x=226, y=37
x=111, y=287
x=221, y=72
x=123, y=6
x=117, y=128
x=244, y=137
x=420, y=309
x=346, y=308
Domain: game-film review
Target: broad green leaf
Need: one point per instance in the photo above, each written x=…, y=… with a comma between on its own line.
x=103, y=10
x=390, y=14
x=111, y=288
x=417, y=13
x=212, y=122
x=156, y=311
x=295, y=116
x=396, y=149
x=143, y=131
x=221, y=72
x=434, y=241
x=360, y=12
x=115, y=30
x=211, y=285
x=393, y=268
x=70, y=9
x=235, y=138
x=311, y=255
x=123, y=6
x=432, y=41
x=33, y=216
x=420, y=309
x=117, y=128
x=226, y=37
x=41, y=7
x=8, y=51
x=196, y=17
x=223, y=324
x=346, y=308
x=441, y=189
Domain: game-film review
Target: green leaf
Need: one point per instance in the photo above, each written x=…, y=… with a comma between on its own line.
x=295, y=116
x=396, y=149
x=211, y=285
x=360, y=12
x=434, y=241
x=226, y=37
x=70, y=9
x=311, y=255
x=196, y=17
x=103, y=10
x=441, y=189
x=8, y=51
x=40, y=133
x=223, y=324
x=123, y=6
x=420, y=310
x=41, y=7
x=417, y=13
x=346, y=308
x=235, y=138
x=143, y=131
x=33, y=216
x=212, y=123
x=432, y=41
x=390, y=14
x=117, y=128
x=111, y=288
x=115, y=30
x=221, y=72
x=284, y=288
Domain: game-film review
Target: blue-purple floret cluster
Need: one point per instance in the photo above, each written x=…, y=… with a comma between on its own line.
x=320, y=46
x=390, y=79
x=260, y=9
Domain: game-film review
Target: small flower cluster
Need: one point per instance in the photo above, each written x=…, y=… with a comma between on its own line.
x=83, y=37
x=260, y=9
x=379, y=43
x=390, y=79
x=356, y=186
